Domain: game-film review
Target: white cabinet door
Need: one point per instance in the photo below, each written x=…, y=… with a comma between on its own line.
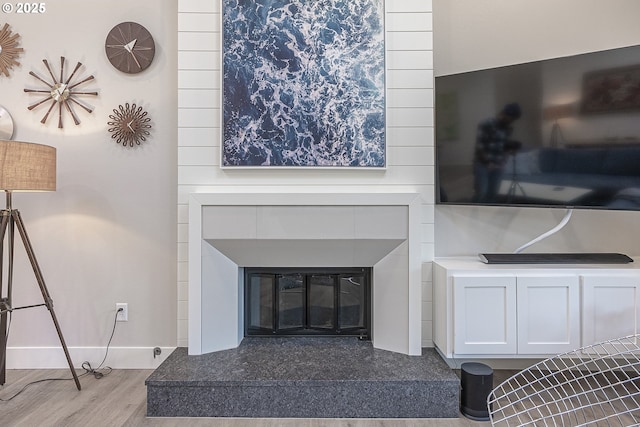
x=610, y=307
x=548, y=314
x=484, y=315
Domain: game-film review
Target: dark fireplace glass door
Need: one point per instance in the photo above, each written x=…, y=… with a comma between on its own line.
x=288, y=301
x=260, y=293
x=352, y=291
x=322, y=305
x=291, y=297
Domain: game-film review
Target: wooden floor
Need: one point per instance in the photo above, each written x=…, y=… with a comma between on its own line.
x=119, y=399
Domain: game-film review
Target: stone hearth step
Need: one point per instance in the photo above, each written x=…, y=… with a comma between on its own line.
x=303, y=377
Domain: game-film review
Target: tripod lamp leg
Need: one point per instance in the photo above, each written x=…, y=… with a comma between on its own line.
x=4, y=301
x=43, y=289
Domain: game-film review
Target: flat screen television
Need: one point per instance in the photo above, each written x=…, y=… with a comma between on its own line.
x=561, y=132
x=575, y=142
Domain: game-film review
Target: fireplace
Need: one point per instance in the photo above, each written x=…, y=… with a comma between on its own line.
x=230, y=233
x=307, y=301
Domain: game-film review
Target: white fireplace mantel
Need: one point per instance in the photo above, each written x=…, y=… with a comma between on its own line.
x=228, y=231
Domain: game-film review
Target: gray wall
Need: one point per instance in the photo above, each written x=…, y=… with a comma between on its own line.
x=108, y=234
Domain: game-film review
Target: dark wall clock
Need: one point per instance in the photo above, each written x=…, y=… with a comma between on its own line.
x=62, y=90
x=129, y=47
x=130, y=125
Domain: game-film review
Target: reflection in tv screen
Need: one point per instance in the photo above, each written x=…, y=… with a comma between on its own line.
x=557, y=132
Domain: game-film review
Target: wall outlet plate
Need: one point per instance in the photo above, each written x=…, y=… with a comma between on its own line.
x=122, y=316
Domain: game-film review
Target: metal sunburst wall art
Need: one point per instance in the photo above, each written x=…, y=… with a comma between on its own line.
x=62, y=92
x=9, y=50
x=130, y=125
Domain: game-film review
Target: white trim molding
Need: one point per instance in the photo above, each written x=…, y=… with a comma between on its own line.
x=117, y=357
x=380, y=230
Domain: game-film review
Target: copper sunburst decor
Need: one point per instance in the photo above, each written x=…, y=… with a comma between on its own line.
x=130, y=125
x=9, y=50
x=61, y=92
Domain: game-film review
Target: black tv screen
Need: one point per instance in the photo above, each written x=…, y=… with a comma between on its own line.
x=560, y=132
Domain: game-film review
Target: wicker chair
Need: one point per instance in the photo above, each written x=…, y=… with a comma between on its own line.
x=596, y=385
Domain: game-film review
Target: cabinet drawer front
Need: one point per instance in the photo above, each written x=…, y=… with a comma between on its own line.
x=610, y=307
x=548, y=314
x=484, y=315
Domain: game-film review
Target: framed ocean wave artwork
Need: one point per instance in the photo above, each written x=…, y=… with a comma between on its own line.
x=303, y=83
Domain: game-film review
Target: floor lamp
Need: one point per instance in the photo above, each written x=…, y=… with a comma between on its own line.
x=24, y=166
x=555, y=113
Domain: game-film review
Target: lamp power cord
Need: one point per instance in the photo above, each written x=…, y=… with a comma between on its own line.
x=98, y=372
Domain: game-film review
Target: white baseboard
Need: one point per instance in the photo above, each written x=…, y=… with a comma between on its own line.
x=54, y=358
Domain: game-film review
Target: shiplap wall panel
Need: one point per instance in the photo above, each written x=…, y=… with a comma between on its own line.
x=198, y=156
x=199, y=137
x=420, y=136
x=410, y=159
x=199, y=117
x=406, y=117
x=198, y=79
x=409, y=60
x=403, y=98
x=198, y=6
x=411, y=6
x=199, y=98
x=409, y=40
x=199, y=60
x=427, y=214
x=199, y=41
x=406, y=79
x=195, y=22
x=410, y=156
x=409, y=21
x=427, y=233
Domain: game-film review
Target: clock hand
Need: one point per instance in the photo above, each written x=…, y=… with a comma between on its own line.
x=136, y=60
x=129, y=125
x=58, y=92
x=131, y=45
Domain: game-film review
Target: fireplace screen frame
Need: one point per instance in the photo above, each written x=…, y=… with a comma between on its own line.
x=285, y=327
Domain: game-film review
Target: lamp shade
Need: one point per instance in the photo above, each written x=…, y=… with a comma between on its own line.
x=25, y=166
x=559, y=111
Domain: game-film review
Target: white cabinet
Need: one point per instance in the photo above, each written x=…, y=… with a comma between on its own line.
x=485, y=321
x=548, y=314
x=610, y=307
x=523, y=311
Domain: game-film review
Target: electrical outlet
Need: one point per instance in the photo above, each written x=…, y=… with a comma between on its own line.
x=122, y=316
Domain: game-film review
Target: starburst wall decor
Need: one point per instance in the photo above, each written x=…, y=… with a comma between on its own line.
x=62, y=92
x=9, y=50
x=129, y=125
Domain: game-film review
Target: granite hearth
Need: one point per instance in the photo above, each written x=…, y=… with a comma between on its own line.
x=303, y=377
x=223, y=373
